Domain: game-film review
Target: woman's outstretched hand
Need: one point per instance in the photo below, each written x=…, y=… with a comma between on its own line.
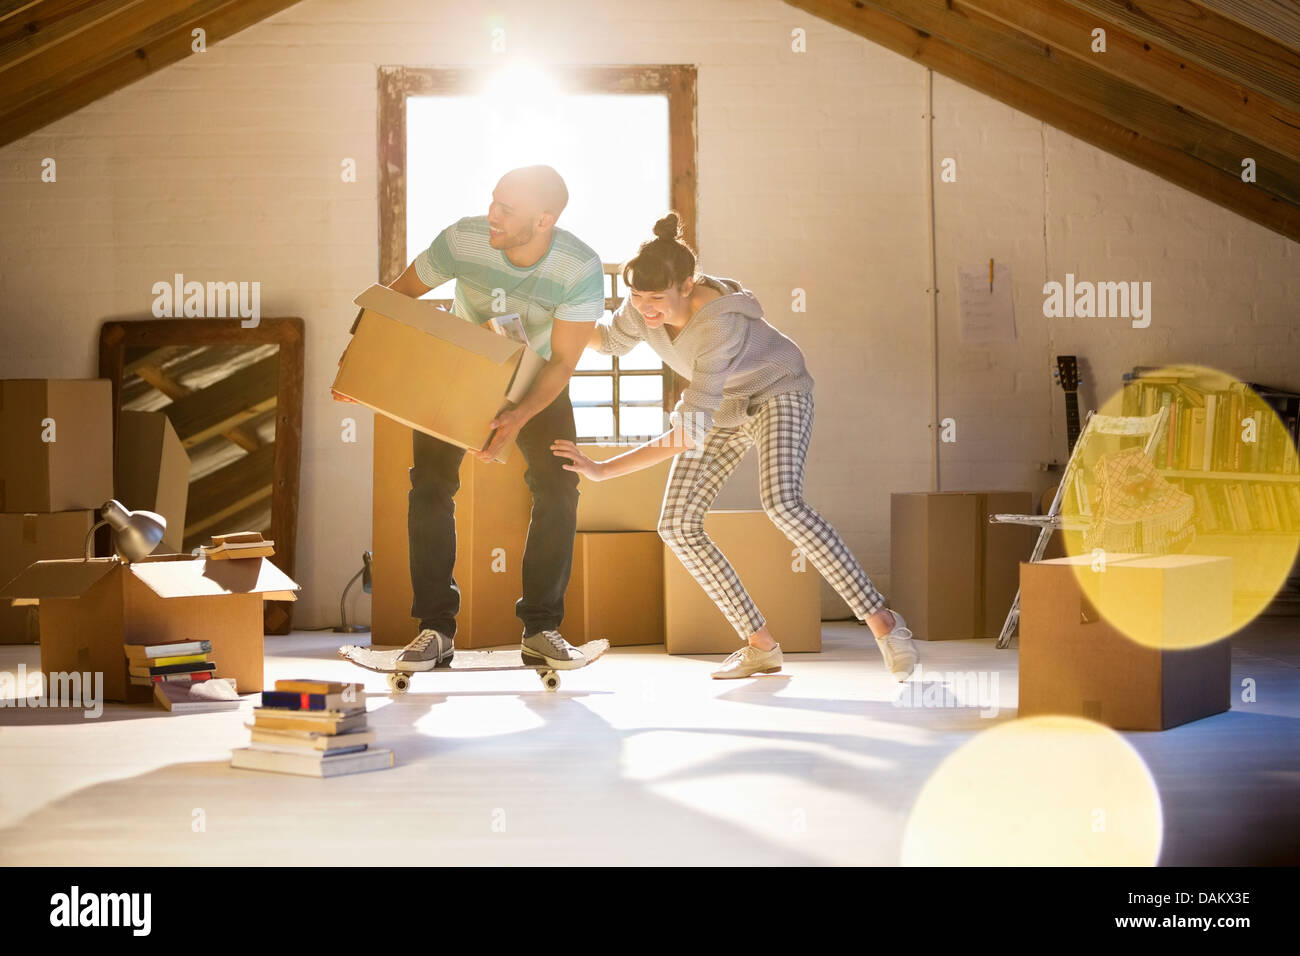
x=583, y=465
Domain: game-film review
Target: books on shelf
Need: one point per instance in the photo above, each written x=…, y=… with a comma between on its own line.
x=1217, y=425
x=312, y=728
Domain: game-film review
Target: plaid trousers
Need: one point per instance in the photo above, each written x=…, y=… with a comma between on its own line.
x=781, y=427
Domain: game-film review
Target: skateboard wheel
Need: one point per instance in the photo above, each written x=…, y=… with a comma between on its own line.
x=398, y=683
x=551, y=680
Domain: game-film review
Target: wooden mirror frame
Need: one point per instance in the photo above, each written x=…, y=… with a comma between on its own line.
x=116, y=337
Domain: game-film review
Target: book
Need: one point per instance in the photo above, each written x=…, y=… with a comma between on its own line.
x=240, y=544
x=140, y=671
x=1196, y=439
x=307, y=740
x=197, y=678
x=322, y=722
x=348, y=702
x=141, y=652
x=303, y=685
x=278, y=747
x=511, y=326
x=311, y=765
x=183, y=659
x=1207, y=453
x=181, y=697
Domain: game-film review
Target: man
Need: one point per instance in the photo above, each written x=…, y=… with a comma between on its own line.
x=514, y=259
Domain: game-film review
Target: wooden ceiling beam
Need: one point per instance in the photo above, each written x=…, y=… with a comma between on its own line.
x=129, y=28
x=1153, y=68
x=1088, y=88
x=139, y=62
x=1277, y=19
x=1177, y=167
x=1215, y=42
x=22, y=38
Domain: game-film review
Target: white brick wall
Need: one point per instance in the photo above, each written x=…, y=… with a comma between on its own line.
x=811, y=173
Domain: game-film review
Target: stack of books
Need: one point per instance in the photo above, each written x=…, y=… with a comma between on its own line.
x=312, y=728
x=188, y=662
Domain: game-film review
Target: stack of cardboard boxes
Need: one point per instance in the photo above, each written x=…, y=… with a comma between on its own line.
x=625, y=586
x=56, y=468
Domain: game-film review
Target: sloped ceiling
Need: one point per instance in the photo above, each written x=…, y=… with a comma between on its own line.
x=57, y=56
x=1187, y=89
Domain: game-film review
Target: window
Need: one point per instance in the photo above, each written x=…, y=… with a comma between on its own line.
x=466, y=127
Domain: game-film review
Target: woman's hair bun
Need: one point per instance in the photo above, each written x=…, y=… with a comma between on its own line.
x=668, y=227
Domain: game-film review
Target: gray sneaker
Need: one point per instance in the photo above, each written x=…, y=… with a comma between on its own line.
x=430, y=649
x=548, y=648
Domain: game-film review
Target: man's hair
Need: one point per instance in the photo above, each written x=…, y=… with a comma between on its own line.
x=547, y=185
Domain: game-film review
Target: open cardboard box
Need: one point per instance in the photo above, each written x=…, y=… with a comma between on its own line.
x=56, y=444
x=431, y=370
x=89, y=608
x=153, y=472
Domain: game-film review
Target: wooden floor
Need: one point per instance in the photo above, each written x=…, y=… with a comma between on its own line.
x=638, y=759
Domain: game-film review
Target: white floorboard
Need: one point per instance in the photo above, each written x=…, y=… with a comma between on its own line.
x=638, y=759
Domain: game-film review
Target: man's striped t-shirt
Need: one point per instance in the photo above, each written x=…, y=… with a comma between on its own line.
x=567, y=283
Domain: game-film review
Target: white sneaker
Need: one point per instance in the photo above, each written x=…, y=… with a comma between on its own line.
x=749, y=660
x=898, y=648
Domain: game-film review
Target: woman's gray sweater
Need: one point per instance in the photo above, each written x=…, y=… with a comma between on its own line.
x=733, y=358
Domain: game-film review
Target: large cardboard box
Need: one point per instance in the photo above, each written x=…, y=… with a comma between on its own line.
x=493, y=508
x=952, y=574
x=432, y=370
x=153, y=472
x=616, y=590
x=779, y=580
x=26, y=539
x=90, y=608
x=1075, y=661
x=56, y=444
x=627, y=503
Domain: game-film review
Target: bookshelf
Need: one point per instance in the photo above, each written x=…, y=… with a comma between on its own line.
x=1247, y=492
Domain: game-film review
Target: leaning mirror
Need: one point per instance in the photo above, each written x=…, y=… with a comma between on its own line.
x=232, y=396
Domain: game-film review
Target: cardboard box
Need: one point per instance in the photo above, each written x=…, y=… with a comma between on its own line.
x=26, y=539
x=765, y=559
x=493, y=508
x=616, y=590
x=628, y=503
x=952, y=574
x=90, y=608
x=56, y=444
x=153, y=472
x=432, y=370
x=1073, y=661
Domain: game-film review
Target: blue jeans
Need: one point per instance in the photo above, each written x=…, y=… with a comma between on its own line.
x=548, y=552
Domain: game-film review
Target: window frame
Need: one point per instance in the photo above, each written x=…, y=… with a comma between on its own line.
x=676, y=81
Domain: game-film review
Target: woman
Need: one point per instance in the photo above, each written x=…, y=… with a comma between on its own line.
x=748, y=385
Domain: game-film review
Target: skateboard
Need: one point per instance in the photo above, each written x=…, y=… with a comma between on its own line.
x=385, y=662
